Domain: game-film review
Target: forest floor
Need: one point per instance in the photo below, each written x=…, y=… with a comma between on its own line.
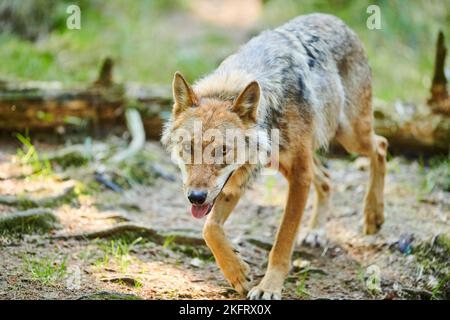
x=61, y=258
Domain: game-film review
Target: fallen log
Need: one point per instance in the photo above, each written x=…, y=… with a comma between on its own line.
x=100, y=106
x=418, y=129
x=410, y=129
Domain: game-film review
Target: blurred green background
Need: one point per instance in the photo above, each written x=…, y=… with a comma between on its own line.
x=150, y=39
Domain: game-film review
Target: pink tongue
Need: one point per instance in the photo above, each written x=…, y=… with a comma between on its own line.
x=199, y=211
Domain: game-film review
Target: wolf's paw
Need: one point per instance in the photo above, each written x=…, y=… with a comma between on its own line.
x=371, y=228
x=372, y=224
x=313, y=237
x=261, y=293
x=240, y=277
x=269, y=288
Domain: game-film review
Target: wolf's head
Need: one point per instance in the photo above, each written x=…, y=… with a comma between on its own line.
x=209, y=138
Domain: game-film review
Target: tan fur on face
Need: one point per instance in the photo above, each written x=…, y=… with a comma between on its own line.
x=212, y=114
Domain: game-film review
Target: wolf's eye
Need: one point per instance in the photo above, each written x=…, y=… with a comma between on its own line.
x=186, y=147
x=224, y=150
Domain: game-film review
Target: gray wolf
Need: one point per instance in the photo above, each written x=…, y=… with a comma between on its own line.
x=310, y=80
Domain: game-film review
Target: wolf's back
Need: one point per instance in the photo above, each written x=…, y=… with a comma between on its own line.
x=279, y=56
x=303, y=62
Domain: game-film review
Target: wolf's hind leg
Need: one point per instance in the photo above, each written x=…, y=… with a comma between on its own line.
x=236, y=271
x=362, y=140
x=374, y=200
x=315, y=235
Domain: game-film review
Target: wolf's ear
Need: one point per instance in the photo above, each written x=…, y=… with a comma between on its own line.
x=246, y=104
x=183, y=94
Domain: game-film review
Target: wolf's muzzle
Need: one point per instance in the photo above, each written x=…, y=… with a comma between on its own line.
x=197, y=196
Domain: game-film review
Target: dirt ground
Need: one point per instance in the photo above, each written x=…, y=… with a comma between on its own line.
x=407, y=259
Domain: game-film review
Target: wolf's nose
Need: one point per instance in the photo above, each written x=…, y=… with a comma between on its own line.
x=197, y=196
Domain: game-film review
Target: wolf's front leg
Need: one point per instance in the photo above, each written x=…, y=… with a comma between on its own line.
x=299, y=178
x=235, y=270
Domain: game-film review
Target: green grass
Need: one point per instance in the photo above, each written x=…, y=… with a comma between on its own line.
x=168, y=241
x=270, y=184
x=436, y=174
x=149, y=41
x=117, y=251
x=28, y=155
x=433, y=258
x=138, y=35
x=47, y=270
x=401, y=54
x=301, y=290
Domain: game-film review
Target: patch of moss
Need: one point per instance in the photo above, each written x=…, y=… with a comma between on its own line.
x=107, y=295
x=135, y=171
x=201, y=252
x=73, y=159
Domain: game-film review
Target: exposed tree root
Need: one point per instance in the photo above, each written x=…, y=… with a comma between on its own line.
x=267, y=245
x=136, y=128
x=77, y=154
x=28, y=221
x=124, y=229
x=164, y=236
x=117, y=230
x=28, y=202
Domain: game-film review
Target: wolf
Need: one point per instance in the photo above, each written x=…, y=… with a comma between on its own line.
x=310, y=80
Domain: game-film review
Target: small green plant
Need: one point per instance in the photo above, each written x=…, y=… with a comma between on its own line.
x=168, y=241
x=436, y=174
x=118, y=251
x=353, y=156
x=361, y=275
x=47, y=270
x=89, y=188
x=28, y=155
x=301, y=285
x=438, y=292
x=270, y=185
